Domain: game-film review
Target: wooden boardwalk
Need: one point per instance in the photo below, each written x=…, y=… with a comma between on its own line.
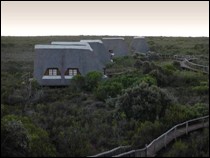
x=160, y=142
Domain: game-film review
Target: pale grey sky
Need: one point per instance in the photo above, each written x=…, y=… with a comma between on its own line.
x=105, y=18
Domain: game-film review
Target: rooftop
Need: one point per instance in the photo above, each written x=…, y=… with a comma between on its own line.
x=48, y=46
x=91, y=41
x=113, y=38
x=139, y=37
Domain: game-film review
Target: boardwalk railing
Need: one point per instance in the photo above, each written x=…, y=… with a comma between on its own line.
x=197, y=66
x=186, y=62
x=115, y=151
x=163, y=140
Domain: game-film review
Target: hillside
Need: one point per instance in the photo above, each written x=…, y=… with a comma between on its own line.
x=142, y=98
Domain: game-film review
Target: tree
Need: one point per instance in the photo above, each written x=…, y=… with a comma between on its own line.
x=144, y=102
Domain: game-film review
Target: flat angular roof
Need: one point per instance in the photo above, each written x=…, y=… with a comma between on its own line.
x=138, y=37
x=70, y=43
x=113, y=38
x=90, y=41
x=45, y=46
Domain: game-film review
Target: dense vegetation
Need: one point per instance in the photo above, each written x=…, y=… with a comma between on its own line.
x=195, y=145
x=143, y=98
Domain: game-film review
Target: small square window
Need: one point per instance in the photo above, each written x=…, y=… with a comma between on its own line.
x=50, y=72
x=54, y=72
x=72, y=72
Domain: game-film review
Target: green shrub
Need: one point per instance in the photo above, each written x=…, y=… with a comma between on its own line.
x=177, y=65
x=146, y=132
x=77, y=83
x=144, y=102
x=179, y=149
x=14, y=138
x=162, y=79
x=201, y=90
x=37, y=138
x=138, y=64
x=187, y=78
x=147, y=79
x=168, y=69
x=108, y=89
x=92, y=79
x=180, y=113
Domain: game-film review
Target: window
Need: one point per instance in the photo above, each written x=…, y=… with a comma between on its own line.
x=53, y=72
x=72, y=72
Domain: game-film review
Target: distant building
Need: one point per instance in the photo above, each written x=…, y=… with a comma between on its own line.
x=139, y=45
x=116, y=46
x=99, y=49
x=55, y=65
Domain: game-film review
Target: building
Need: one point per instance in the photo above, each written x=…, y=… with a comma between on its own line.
x=116, y=46
x=55, y=65
x=139, y=45
x=101, y=52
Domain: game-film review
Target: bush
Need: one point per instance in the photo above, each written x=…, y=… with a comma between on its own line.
x=169, y=69
x=25, y=134
x=177, y=65
x=146, y=67
x=92, y=79
x=77, y=83
x=108, y=89
x=201, y=90
x=147, y=79
x=162, y=79
x=144, y=102
x=180, y=113
x=179, y=149
x=146, y=132
x=138, y=64
x=14, y=138
x=187, y=78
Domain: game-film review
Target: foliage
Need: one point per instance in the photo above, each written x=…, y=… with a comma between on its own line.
x=77, y=83
x=180, y=113
x=37, y=139
x=146, y=132
x=169, y=69
x=92, y=79
x=179, y=150
x=147, y=79
x=144, y=102
x=15, y=138
x=108, y=89
x=196, y=145
x=201, y=89
x=52, y=115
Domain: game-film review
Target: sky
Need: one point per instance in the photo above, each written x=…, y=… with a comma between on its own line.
x=136, y=18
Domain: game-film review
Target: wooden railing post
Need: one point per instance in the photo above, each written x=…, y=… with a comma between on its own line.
x=165, y=140
x=146, y=151
x=154, y=146
x=175, y=133
x=187, y=127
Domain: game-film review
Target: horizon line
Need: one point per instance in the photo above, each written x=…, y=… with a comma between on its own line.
x=93, y=35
